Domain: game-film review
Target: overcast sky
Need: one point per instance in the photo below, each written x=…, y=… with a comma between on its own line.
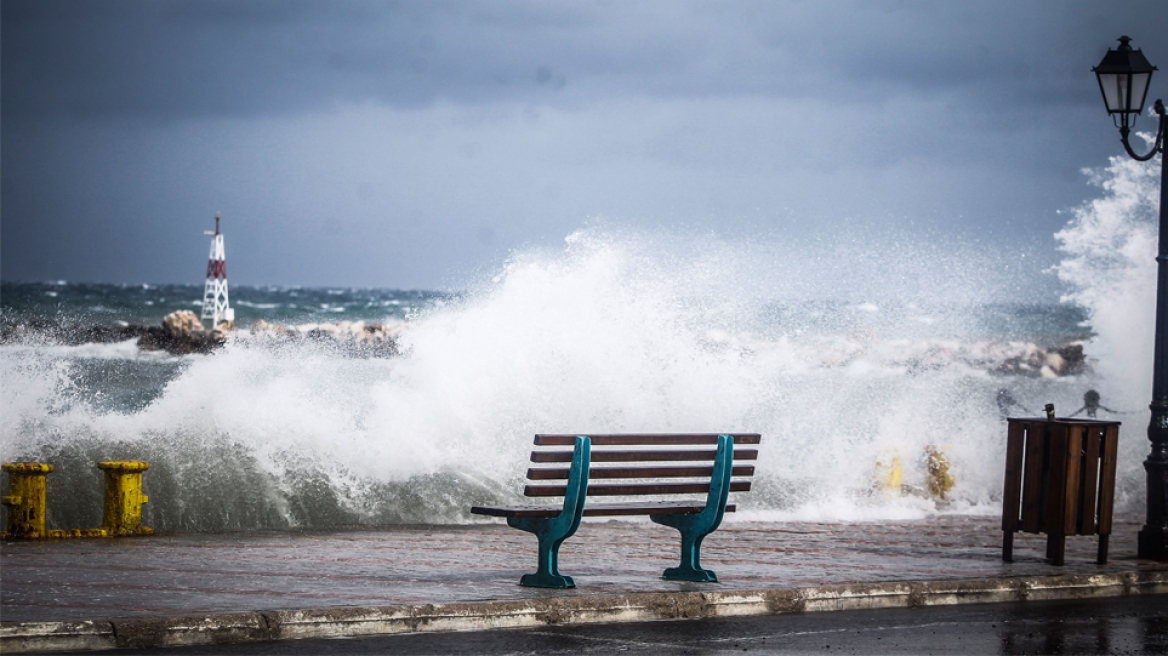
x=410, y=144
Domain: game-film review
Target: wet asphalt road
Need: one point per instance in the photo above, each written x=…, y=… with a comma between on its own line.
x=1125, y=625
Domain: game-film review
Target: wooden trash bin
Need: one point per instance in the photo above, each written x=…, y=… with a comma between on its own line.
x=1060, y=480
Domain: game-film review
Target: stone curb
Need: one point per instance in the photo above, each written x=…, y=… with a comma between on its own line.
x=243, y=627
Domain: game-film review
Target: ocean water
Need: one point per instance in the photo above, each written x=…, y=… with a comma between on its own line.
x=844, y=355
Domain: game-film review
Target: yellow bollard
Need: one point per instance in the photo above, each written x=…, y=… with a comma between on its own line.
x=26, y=499
x=78, y=533
x=940, y=480
x=122, y=511
x=889, y=475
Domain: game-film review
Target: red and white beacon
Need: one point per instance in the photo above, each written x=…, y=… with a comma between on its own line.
x=216, y=307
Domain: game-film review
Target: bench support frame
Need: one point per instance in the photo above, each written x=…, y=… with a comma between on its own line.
x=552, y=531
x=694, y=528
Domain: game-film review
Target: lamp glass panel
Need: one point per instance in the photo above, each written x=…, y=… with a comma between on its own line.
x=1112, y=94
x=1139, y=91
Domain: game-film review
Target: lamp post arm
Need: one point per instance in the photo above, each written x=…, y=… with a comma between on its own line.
x=1157, y=146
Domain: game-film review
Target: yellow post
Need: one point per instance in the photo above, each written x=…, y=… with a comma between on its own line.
x=122, y=511
x=940, y=480
x=889, y=474
x=26, y=499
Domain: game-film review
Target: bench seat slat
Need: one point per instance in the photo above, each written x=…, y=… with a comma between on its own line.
x=641, y=456
x=552, y=474
x=640, y=508
x=602, y=509
x=632, y=489
x=654, y=439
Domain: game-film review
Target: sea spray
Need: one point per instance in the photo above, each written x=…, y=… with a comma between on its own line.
x=837, y=367
x=1111, y=245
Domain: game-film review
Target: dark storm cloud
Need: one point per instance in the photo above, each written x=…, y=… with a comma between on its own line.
x=168, y=59
x=391, y=143
x=171, y=59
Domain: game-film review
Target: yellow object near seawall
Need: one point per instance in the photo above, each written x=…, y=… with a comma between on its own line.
x=122, y=507
x=26, y=499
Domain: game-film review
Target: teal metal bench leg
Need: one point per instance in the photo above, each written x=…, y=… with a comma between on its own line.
x=694, y=528
x=692, y=531
x=551, y=532
x=548, y=575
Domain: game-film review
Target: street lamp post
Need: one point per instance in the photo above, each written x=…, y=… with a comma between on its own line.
x=1124, y=75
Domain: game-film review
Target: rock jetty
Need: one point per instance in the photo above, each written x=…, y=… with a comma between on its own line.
x=1007, y=358
x=352, y=338
x=182, y=333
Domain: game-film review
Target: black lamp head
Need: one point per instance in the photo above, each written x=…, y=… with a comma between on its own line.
x=1124, y=75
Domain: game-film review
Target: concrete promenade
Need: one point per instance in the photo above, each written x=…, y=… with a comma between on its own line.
x=241, y=587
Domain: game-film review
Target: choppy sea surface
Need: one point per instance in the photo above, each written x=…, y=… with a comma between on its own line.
x=842, y=368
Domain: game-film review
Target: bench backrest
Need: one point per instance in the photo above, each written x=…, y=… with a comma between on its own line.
x=641, y=469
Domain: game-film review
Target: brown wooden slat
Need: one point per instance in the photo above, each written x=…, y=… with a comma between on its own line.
x=1032, y=477
x=1073, y=445
x=518, y=511
x=550, y=473
x=561, y=473
x=632, y=489
x=1012, y=495
x=1107, y=479
x=600, y=510
x=551, y=456
x=649, y=439
x=1088, y=508
x=635, y=508
x=641, y=456
x=1056, y=490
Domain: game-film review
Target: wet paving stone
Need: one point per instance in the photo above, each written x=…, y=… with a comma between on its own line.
x=205, y=573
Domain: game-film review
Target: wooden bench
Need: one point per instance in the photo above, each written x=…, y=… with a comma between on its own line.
x=641, y=472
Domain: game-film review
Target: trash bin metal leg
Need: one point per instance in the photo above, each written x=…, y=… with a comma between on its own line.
x=1056, y=548
x=1101, y=556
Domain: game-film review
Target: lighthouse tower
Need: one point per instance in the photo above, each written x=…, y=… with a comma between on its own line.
x=215, y=304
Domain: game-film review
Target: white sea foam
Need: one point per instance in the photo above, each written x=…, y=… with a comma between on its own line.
x=1111, y=245
x=838, y=368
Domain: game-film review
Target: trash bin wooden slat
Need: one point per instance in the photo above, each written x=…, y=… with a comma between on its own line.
x=1033, y=503
x=1107, y=484
x=1088, y=512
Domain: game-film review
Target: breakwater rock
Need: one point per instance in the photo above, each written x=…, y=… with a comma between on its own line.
x=351, y=338
x=54, y=331
x=181, y=333
x=914, y=356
